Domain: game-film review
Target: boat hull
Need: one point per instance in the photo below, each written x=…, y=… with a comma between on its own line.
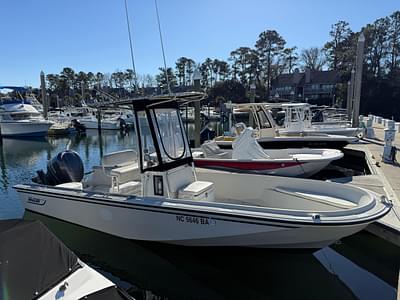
x=323, y=129
x=24, y=129
x=281, y=168
x=126, y=218
x=345, y=131
x=89, y=124
x=288, y=142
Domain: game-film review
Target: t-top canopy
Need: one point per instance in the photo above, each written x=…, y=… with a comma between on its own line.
x=15, y=88
x=159, y=100
x=32, y=259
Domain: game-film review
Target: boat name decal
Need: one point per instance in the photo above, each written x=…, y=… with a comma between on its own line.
x=36, y=201
x=195, y=220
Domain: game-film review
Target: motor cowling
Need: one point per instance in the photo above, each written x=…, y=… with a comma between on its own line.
x=207, y=134
x=66, y=166
x=78, y=126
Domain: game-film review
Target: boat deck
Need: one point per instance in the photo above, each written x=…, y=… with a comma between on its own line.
x=384, y=179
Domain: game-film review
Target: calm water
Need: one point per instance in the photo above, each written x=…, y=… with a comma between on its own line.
x=362, y=266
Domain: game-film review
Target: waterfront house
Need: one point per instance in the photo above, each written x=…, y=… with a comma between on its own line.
x=316, y=87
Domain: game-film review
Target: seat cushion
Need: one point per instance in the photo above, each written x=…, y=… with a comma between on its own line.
x=198, y=190
x=197, y=187
x=126, y=173
x=71, y=185
x=128, y=188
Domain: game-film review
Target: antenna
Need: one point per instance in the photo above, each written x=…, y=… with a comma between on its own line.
x=130, y=44
x=162, y=47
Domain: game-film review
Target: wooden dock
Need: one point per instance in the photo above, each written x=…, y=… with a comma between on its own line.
x=384, y=179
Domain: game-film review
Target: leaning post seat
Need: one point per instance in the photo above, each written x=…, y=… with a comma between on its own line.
x=71, y=185
x=123, y=168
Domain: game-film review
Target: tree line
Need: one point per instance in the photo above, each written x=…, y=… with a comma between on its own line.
x=261, y=64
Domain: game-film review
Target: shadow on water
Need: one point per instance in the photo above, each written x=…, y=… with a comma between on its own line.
x=176, y=272
x=361, y=249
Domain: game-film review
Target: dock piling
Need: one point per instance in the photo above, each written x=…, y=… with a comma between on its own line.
x=358, y=77
x=99, y=120
x=197, y=120
x=44, y=96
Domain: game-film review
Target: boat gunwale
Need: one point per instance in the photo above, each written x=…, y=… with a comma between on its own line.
x=227, y=212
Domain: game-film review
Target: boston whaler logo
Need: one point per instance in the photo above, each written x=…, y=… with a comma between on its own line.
x=36, y=201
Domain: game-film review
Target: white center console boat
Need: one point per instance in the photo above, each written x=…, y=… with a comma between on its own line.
x=298, y=117
x=248, y=156
x=157, y=195
x=270, y=136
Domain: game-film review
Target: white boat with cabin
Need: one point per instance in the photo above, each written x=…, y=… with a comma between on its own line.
x=269, y=136
x=298, y=117
x=158, y=195
x=91, y=122
x=111, y=119
x=19, y=119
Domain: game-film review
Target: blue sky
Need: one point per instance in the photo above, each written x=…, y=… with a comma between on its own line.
x=91, y=35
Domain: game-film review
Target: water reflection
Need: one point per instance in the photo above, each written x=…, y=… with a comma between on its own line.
x=20, y=159
x=361, y=250
x=355, y=276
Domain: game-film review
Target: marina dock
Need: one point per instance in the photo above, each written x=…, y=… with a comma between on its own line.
x=384, y=179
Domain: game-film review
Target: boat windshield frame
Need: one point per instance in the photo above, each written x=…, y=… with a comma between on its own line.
x=155, y=132
x=255, y=110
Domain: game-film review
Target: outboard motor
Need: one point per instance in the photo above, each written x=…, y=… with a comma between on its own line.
x=318, y=116
x=66, y=166
x=207, y=134
x=122, y=125
x=78, y=126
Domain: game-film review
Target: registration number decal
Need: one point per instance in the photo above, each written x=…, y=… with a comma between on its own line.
x=195, y=220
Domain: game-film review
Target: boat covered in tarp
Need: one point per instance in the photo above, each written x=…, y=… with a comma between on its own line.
x=33, y=261
x=248, y=156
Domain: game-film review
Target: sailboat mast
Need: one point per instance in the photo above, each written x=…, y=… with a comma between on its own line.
x=131, y=47
x=162, y=47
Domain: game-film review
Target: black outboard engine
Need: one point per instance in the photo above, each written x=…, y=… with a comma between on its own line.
x=122, y=124
x=318, y=116
x=78, y=126
x=207, y=134
x=66, y=166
